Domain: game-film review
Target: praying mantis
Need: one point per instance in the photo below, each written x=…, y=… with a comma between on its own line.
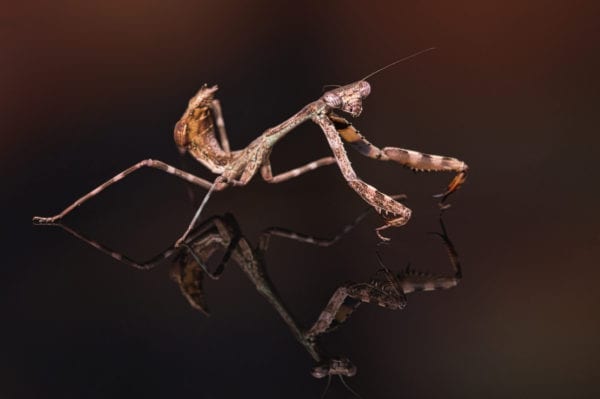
x=196, y=133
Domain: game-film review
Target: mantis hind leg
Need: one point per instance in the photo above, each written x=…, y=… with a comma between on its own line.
x=267, y=173
x=145, y=163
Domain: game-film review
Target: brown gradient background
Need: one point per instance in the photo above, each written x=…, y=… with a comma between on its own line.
x=89, y=88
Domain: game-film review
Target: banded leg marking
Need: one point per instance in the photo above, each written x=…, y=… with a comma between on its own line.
x=267, y=173
x=263, y=240
x=414, y=160
x=329, y=313
x=219, y=184
x=392, y=211
x=145, y=163
x=147, y=265
x=337, y=311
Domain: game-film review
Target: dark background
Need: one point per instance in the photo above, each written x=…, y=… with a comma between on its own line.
x=90, y=88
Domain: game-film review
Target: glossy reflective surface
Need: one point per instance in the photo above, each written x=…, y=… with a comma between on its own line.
x=512, y=90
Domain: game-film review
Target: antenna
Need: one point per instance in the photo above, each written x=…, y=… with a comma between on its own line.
x=399, y=61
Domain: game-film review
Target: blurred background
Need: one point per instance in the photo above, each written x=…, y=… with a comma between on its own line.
x=90, y=88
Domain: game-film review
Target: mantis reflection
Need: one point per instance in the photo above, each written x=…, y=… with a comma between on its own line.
x=222, y=233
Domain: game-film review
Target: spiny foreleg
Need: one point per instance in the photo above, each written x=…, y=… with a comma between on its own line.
x=392, y=211
x=414, y=160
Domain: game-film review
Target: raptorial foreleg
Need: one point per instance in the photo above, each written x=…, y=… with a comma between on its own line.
x=392, y=211
x=414, y=160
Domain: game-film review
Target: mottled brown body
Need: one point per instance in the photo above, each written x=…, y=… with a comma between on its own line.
x=201, y=132
x=195, y=132
x=240, y=167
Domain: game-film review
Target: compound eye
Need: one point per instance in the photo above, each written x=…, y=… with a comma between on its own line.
x=333, y=100
x=364, y=88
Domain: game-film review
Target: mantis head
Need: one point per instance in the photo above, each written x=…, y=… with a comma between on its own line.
x=335, y=366
x=348, y=98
